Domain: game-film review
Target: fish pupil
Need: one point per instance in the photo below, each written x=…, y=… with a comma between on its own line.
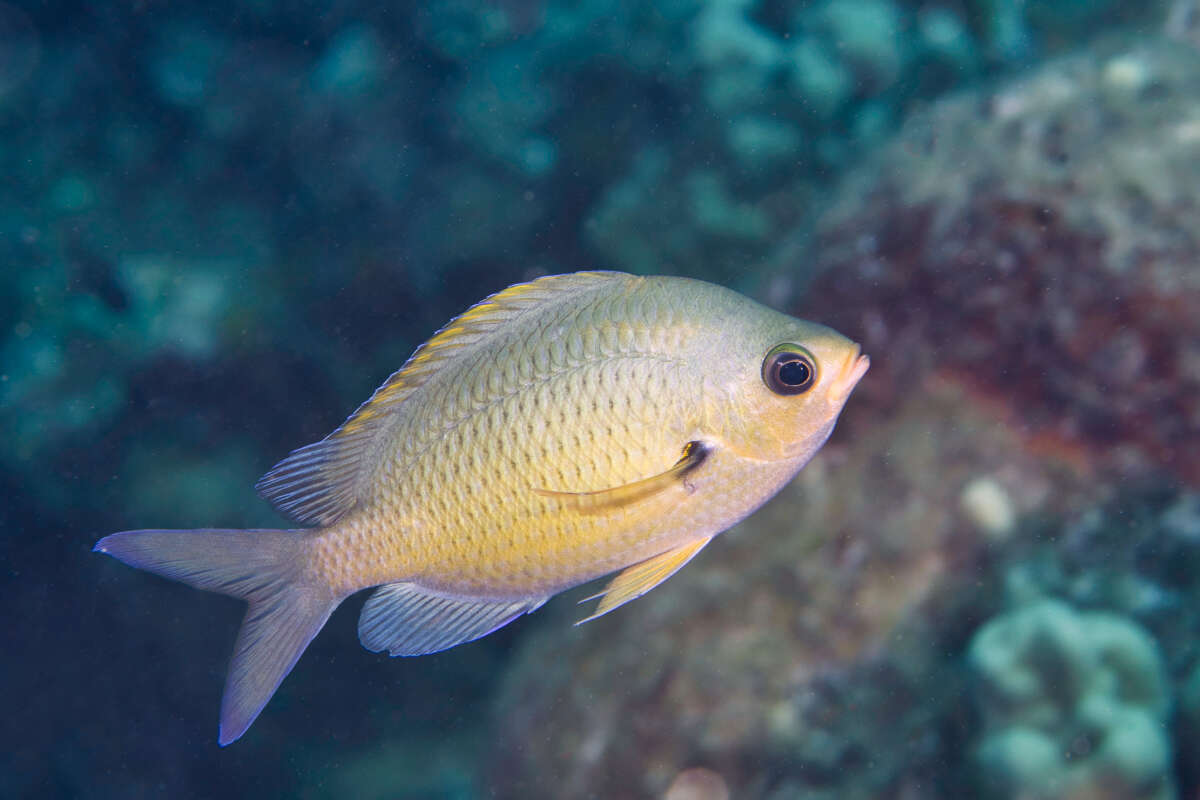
x=794, y=373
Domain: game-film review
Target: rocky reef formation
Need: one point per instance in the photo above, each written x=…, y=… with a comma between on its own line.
x=1018, y=261
x=1037, y=241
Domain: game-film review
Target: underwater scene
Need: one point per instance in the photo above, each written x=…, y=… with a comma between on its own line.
x=965, y=231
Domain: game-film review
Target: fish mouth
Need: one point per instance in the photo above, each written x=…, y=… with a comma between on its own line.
x=851, y=373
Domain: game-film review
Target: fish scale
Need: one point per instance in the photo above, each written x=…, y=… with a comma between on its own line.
x=555, y=432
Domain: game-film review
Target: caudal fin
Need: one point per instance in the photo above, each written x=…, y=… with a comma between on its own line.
x=259, y=566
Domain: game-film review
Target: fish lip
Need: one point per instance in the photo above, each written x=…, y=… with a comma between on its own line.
x=851, y=373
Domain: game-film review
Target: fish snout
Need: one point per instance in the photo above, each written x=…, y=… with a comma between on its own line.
x=850, y=374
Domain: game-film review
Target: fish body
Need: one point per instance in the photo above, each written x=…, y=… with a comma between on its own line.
x=557, y=431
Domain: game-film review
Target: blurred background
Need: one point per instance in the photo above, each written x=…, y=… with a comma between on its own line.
x=223, y=226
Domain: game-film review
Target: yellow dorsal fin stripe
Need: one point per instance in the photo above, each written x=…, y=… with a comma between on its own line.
x=320, y=482
x=468, y=328
x=635, y=581
x=596, y=502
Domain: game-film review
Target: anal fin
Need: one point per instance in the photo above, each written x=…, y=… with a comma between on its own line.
x=635, y=581
x=595, y=502
x=408, y=620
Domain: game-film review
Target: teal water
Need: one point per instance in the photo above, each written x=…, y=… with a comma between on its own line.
x=225, y=225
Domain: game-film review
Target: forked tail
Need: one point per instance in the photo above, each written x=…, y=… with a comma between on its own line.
x=262, y=567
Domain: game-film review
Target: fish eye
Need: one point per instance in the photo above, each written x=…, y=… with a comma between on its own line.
x=789, y=369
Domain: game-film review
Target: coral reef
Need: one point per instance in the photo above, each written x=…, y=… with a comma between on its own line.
x=1074, y=705
x=1035, y=241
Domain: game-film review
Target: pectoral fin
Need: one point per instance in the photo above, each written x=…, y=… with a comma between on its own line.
x=694, y=454
x=635, y=581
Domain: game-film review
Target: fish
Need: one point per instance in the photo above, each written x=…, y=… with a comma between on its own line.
x=558, y=431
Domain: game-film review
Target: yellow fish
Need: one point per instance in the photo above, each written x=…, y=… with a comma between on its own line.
x=555, y=432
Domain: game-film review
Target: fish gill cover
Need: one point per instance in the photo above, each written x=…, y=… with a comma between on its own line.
x=224, y=225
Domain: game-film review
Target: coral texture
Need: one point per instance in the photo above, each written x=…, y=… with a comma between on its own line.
x=1074, y=706
x=1037, y=242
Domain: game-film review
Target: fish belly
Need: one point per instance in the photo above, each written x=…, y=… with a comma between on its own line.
x=532, y=545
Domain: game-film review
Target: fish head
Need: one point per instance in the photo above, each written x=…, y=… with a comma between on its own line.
x=785, y=382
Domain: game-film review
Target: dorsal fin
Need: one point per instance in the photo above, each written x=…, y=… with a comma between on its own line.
x=320, y=482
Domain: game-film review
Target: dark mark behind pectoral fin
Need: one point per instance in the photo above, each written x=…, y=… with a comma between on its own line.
x=596, y=502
